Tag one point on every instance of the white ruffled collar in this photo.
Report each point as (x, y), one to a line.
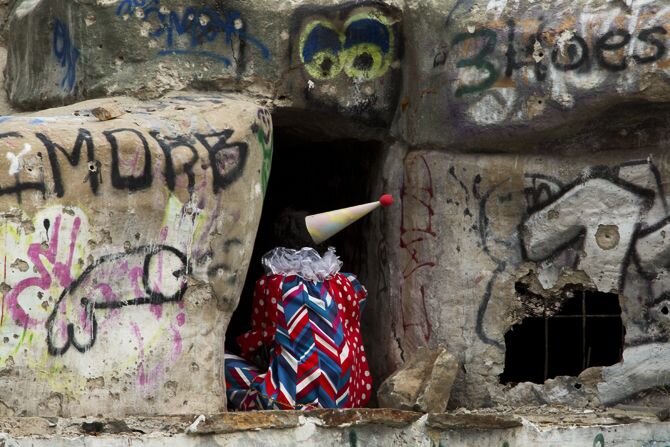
(306, 263)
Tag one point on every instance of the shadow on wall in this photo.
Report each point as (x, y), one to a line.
(312, 177)
(5, 108)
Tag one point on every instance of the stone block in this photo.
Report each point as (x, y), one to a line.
(423, 383)
(586, 210)
(62, 51)
(348, 58)
(331, 57)
(125, 245)
(482, 72)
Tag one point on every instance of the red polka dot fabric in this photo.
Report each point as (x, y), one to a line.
(311, 330)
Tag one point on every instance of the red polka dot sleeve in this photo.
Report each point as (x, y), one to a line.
(263, 316)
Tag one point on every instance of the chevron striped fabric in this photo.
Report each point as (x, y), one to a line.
(310, 331)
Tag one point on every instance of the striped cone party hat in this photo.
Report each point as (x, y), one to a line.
(324, 225)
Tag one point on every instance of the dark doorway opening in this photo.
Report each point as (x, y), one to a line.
(311, 176)
(587, 331)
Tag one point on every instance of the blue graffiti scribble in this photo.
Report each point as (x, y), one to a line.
(200, 24)
(129, 6)
(66, 54)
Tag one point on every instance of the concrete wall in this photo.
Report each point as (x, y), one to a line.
(125, 248)
(526, 142)
(528, 154)
(350, 428)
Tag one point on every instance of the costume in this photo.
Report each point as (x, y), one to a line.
(306, 320)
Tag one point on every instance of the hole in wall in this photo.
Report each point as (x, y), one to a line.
(309, 176)
(586, 331)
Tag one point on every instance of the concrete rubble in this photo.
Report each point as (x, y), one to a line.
(422, 384)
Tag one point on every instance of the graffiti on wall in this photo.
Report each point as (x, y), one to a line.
(263, 130)
(72, 286)
(59, 291)
(608, 222)
(150, 275)
(570, 52)
(416, 237)
(193, 30)
(602, 227)
(513, 67)
(362, 49)
(65, 53)
(349, 55)
(212, 158)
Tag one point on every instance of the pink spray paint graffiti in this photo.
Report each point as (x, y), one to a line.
(148, 376)
(151, 274)
(156, 261)
(60, 270)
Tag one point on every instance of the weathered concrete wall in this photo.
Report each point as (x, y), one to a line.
(526, 153)
(5, 9)
(360, 428)
(341, 58)
(487, 70)
(525, 140)
(587, 209)
(5, 108)
(125, 247)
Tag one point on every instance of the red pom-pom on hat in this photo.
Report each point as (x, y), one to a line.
(386, 200)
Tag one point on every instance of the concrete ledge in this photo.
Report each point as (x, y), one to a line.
(381, 421)
(446, 421)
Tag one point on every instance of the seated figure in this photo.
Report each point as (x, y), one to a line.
(304, 349)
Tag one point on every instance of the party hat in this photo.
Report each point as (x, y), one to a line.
(324, 225)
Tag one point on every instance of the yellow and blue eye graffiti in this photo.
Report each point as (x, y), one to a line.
(363, 47)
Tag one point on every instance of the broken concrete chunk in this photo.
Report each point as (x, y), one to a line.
(477, 421)
(422, 384)
(107, 112)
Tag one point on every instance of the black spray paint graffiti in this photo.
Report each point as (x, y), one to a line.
(571, 53)
(66, 53)
(20, 186)
(223, 154)
(73, 321)
(73, 157)
(608, 222)
(226, 160)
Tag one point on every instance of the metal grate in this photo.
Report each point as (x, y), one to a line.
(587, 331)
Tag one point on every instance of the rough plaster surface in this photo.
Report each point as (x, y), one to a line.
(5, 108)
(481, 69)
(353, 429)
(125, 247)
(571, 92)
(301, 50)
(471, 226)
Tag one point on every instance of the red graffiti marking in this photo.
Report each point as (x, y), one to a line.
(412, 233)
(428, 331)
(416, 237)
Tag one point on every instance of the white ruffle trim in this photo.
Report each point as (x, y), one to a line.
(306, 263)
